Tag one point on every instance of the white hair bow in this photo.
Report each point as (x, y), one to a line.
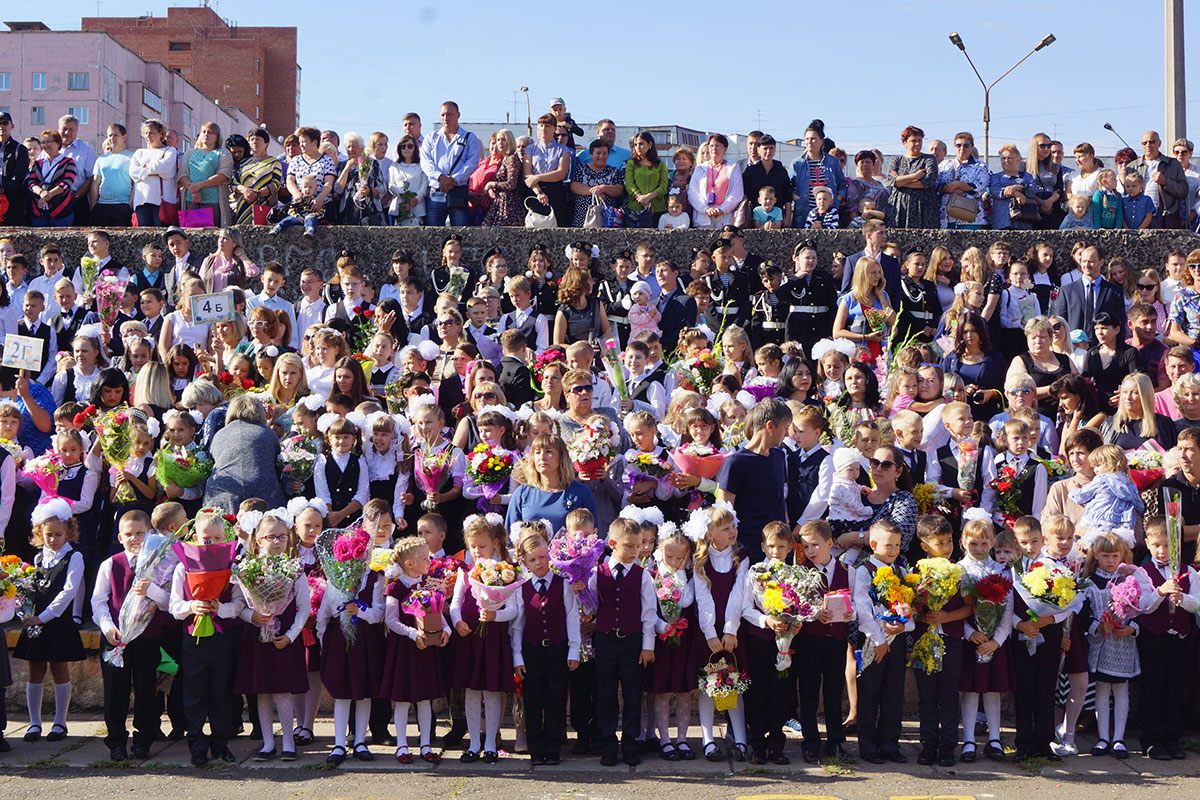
(428, 350)
(696, 526)
(51, 508)
(152, 427)
(298, 504)
(976, 513)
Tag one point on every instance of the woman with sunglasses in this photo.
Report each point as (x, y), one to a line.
(407, 184)
(1184, 316)
(1149, 291)
(1021, 392)
(483, 393)
(891, 499)
(1042, 363)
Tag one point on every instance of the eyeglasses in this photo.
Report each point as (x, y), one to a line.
(877, 464)
(1020, 390)
(582, 388)
(1147, 287)
(961, 144)
(279, 537)
(485, 395)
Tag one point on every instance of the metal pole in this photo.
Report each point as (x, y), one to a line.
(1174, 101)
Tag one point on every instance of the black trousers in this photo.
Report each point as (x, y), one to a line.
(1035, 677)
(937, 699)
(207, 672)
(583, 701)
(139, 673)
(617, 667)
(172, 643)
(112, 215)
(881, 701)
(820, 665)
(766, 700)
(545, 697)
(1165, 669)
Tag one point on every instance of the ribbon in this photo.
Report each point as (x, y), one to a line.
(674, 631)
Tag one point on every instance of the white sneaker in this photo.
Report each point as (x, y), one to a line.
(1064, 748)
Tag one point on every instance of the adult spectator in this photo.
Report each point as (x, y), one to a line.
(112, 186)
(1182, 150)
(1080, 301)
(36, 404)
(606, 131)
(551, 489)
(361, 196)
(937, 149)
(1108, 361)
(815, 167)
(209, 167)
(257, 179)
(1179, 362)
(766, 171)
(646, 182)
(753, 479)
(14, 166)
(291, 149)
(1050, 183)
(1144, 323)
(580, 316)
(874, 238)
(485, 172)
(1057, 151)
(1184, 316)
(407, 184)
(244, 453)
(1041, 363)
(962, 176)
(1084, 181)
(891, 499)
(449, 156)
(865, 186)
(681, 177)
(1186, 393)
(558, 109)
(913, 178)
(715, 188)
(1021, 391)
(1187, 483)
(678, 309)
(411, 125)
(1078, 446)
(753, 140)
(85, 166)
(1077, 406)
(311, 161)
(596, 181)
(547, 164)
(1121, 161)
(1011, 187)
(1166, 183)
(49, 182)
(228, 266)
(153, 170)
(979, 366)
(504, 189)
(1135, 422)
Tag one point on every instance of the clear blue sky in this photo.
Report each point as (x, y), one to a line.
(867, 68)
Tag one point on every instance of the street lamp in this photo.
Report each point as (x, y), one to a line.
(957, 41)
(528, 113)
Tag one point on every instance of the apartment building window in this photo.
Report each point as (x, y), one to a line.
(39, 81)
(5, 81)
(78, 81)
(180, 47)
(37, 115)
(80, 113)
(257, 91)
(187, 120)
(152, 101)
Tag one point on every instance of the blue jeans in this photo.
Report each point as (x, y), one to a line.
(309, 222)
(46, 221)
(436, 212)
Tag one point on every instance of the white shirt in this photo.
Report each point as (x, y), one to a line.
(72, 591)
(363, 492)
(181, 607)
(320, 380)
(45, 285)
(8, 492)
(722, 561)
(517, 317)
(103, 590)
(1153, 190)
(83, 384)
(686, 598)
(310, 313)
(330, 602)
(656, 395)
(87, 494)
(300, 598)
(649, 600)
(991, 468)
(819, 501)
(516, 631)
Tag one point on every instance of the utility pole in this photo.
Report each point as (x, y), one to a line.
(1174, 101)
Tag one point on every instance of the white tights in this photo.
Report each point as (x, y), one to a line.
(683, 715)
(970, 708)
(306, 703)
(1120, 710)
(341, 720)
(424, 723)
(737, 718)
(488, 704)
(286, 708)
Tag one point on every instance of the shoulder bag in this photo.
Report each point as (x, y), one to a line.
(960, 207)
(536, 219)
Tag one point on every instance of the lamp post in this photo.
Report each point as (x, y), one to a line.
(528, 113)
(957, 41)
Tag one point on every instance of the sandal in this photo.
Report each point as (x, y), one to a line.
(336, 756)
(57, 733)
(968, 753)
(428, 756)
(1102, 748)
(302, 736)
(712, 752)
(34, 733)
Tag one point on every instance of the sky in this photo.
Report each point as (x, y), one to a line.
(867, 68)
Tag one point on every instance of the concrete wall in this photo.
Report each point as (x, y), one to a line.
(372, 247)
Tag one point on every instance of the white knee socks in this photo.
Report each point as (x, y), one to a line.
(341, 720)
(400, 718)
(492, 703)
(267, 721)
(62, 699)
(285, 707)
(1120, 693)
(969, 702)
(737, 720)
(683, 716)
(362, 716)
(33, 700)
(991, 708)
(425, 721)
(1103, 693)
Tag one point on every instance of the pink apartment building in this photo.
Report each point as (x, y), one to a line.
(45, 74)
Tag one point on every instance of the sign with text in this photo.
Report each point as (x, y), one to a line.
(22, 352)
(210, 308)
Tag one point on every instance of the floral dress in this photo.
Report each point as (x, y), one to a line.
(583, 173)
(506, 209)
(1185, 311)
(367, 210)
(859, 189)
(914, 207)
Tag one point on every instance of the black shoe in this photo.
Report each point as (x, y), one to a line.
(874, 758)
(995, 751)
(631, 756)
(1176, 751)
(896, 757)
(947, 759)
(140, 752)
(337, 756)
(738, 753)
(386, 740)
(609, 759)
(264, 755)
(968, 753)
(685, 751)
(811, 753)
(199, 759)
(1024, 755)
(1050, 755)
(4, 745)
(581, 747)
(712, 752)
(552, 760)
(469, 756)
(362, 753)
(758, 757)
(777, 757)
(118, 753)
(489, 757)
(926, 758)
(57, 733)
(226, 755)
(1119, 752)
(33, 734)
(454, 736)
(668, 752)
(1101, 748)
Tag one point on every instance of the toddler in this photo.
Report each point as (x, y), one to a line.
(1107, 205)
(847, 511)
(643, 316)
(303, 209)
(823, 215)
(1111, 500)
(675, 219)
(767, 215)
(1079, 216)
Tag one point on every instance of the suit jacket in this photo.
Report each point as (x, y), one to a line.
(514, 380)
(14, 166)
(678, 312)
(1070, 306)
(1174, 193)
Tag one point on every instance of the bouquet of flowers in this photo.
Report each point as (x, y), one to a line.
(403, 196)
(723, 683)
(186, 466)
(458, 281)
(939, 581)
(1056, 469)
(1047, 588)
(44, 471)
(1124, 597)
(877, 320)
(573, 556)
(430, 466)
(991, 603)
(393, 393)
(761, 388)
(115, 429)
(298, 456)
(90, 267)
(16, 586)
(789, 593)
(109, 292)
(592, 449)
(492, 583)
(427, 606)
(668, 588)
(230, 386)
(362, 329)
(443, 572)
(702, 460)
(1145, 467)
(968, 463)
(155, 562)
(381, 559)
(646, 466)
(15, 450)
(364, 168)
(929, 499)
(698, 372)
(268, 581)
(896, 597)
(612, 365)
(1008, 485)
(548, 356)
(208, 568)
(343, 553)
(316, 594)
(489, 467)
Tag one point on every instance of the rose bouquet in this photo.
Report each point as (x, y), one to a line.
(789, 593)
(430, 466)
(115, 429)
(1173, 505)
(362, 329)
(939, 581)
(109, 292)
(492, 583)
(968, 463)
(343, 553)
(155, 562)
(612, 365)
(701, 460)
(668, 588)
(592, 449)
(186, 466)
(574, 556)
(298, 457)
(698, 372)
(1008, 487)
(1047, 588)
(229, 385)
(44, 471)
(723, 683)
(489, 467)
(991, 604)
(268, 581)
(457, 281)
(1145, 467)
(427, 606)
(316, 594)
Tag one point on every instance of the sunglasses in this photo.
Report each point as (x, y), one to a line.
(1147, 287)
(1020, 390)
(408, 147)
(485, 395)
(1193, 265)
(877, 464)
(442, 323)
(1043, 145)
(583, 388)
(1058, 326)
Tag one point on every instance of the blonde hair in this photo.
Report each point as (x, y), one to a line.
(860, 286)
(682, 401)
(478, 525)
(1057, 525)
(529, 542)
(1109, 456)
(975, 266)
(152, 387)
(1149, 426)
(978, 528)
(1106, 543)
(406, 548)
(288, 359)
(38, 538)
(716, 516)
(566, 470)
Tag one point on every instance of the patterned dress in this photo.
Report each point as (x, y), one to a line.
(264, 176)
(506, 209)
(583, 173)
(1185, 310)
(913, 207)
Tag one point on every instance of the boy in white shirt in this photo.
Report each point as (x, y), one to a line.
(272, 281)
(523, 314)
(50, 257)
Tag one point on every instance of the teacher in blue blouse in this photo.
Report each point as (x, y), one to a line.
(551, 490)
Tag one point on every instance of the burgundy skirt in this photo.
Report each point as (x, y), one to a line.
(483, 663)
(994, 676)
(674, 667)
(262, 668)
(351, 674)
(411, 674)
(1077, 656)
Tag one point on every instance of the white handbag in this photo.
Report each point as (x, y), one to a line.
(536, 219)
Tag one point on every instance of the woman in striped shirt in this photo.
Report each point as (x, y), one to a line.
(49, 183)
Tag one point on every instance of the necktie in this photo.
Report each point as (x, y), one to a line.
(542, 588)
(620, 571)
(1089, 303)
(133, 564)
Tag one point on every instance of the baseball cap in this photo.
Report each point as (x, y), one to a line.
(557, 101)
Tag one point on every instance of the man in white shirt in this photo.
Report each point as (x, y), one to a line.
(448, 158)
(85, 166)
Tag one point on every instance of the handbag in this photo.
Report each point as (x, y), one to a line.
(1026, 213)
(960, 207)
(196, 218)
(742, 214)
(536, 219)
(595, 213)
(262, 214)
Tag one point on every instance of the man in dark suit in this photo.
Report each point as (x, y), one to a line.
(1079, 302)
(14, 166)
(514, 375)
(875, 236)
(677, 308)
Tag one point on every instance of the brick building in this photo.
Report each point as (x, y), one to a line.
(253, 69)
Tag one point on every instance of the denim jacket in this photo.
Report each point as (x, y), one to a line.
(803, 201)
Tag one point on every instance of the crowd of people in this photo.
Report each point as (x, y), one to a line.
(55, 179)
(987, 416)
